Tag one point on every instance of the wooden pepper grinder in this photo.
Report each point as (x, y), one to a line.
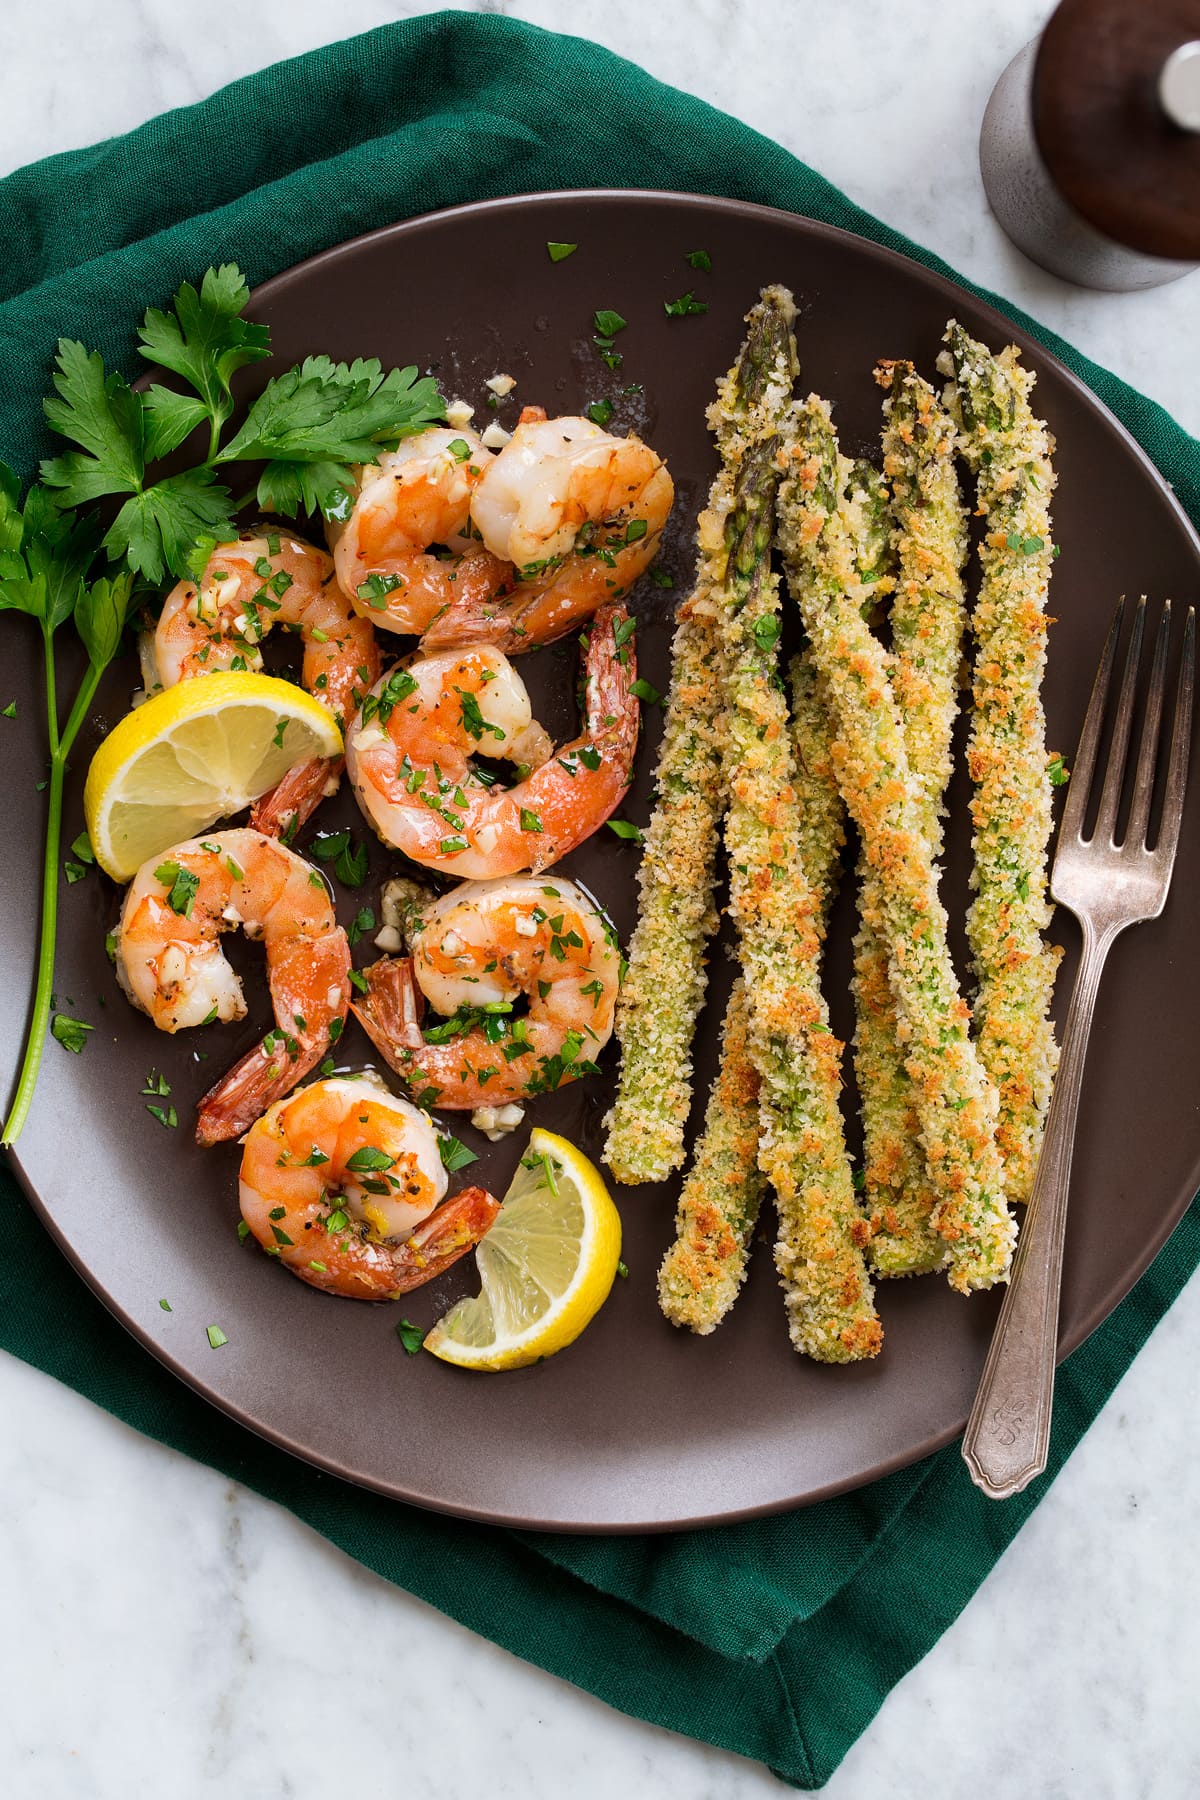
(1090, 148)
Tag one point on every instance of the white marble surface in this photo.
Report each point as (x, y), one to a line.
(167, 1632)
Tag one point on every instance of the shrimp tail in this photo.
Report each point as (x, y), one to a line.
(391, 1010)
(281, 812)
(455, 1227)
(251, 1086)
(480, 612)
(611, 716)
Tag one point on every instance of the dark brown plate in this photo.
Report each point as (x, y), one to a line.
(640, 1426)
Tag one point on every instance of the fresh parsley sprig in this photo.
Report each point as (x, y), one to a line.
(105, 520)
(309, 426)
(44, 554)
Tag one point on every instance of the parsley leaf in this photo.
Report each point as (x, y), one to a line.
(99, 412)
(312, 423)
(70, 1033)
(455, 1154)
(205, 340)
(156, 528)
(560, 252)
(608, 323)
(699, 259)
(623, 829)
(685, 306)
(410, 1335)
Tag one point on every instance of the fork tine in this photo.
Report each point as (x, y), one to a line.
(1147, 756)
(1114, 775)
(1089, 737)
(1181, 738)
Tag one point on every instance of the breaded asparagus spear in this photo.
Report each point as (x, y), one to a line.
(666, 979)
(706, 1265)
(802, 1149)
(955, 1102)
(1009, 450)
(928, 618)
(665, 983)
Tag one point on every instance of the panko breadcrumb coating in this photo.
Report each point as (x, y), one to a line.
(802, 1149)
(666, 980)
(1009, 449)
(928, 618)
(955, 1102)
(706, 1265)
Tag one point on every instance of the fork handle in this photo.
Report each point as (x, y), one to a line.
(1007, 1440)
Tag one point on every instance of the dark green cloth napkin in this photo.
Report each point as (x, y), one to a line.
(778, 1638)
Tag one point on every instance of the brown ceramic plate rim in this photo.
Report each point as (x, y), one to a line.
(950, 291)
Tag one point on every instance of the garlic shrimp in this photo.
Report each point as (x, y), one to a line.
(407, 552)
(476, 953)
(410, 757)
(219, 622)
(171, 964)
(578, 512)
(343, 1182)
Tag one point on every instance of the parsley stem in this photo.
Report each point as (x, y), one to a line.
(51, 688)
(35, 1041)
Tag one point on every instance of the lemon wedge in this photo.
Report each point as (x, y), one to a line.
(546, 1266)
(194, 754)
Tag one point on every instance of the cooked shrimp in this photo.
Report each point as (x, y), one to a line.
(342, 1182)
(477, 951)
(410, 751)
(414, 498)
(580, 514)
(172, 966)
(219, 623)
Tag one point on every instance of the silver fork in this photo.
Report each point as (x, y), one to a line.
(1107, 886)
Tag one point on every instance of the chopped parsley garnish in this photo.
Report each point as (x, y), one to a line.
(560, 252)
(660, 578)
(280, 731)
(398, 686)
(624, 632)
(1026, 545)
(645, 690)
(156, 1084)
(685, 306)
(216, 1336)
(459, 449)
(766, 633)
(599, 411)
(542, 1160)
(455, 1155)
(166, 1305)
(182, 885)
(589, 757)
(607, 323)
(623, 829)
(10, 711)
(410, 1335)
(168, 1118)
(359, 981)
(70, 1033)
(1058, 772)
(530, 820)
(376, 588)
(369, 1159)
(82, 848)
(623, 1271)
(363, 921)
(699, 259)
(348, 858)
(473, 720)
